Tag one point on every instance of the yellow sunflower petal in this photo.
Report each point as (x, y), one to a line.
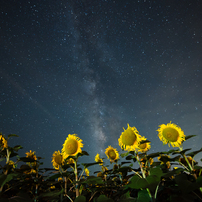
(87, 171)
(3, 142)
(72, 146)
(98, 159)
(57, 159)
(112, 153)
(171, 134)
(144, 146)
(129, 139)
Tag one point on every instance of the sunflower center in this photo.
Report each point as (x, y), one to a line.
(128, 137)
(171, 134)
(143, 146)
(71, 146)
(112, 154)
(58, 159)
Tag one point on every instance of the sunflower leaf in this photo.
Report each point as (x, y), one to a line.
(143, 196)
(80, 199)
(144, 141)
(189, 136)
(181, 152)
(170, 151)
(103, 198)
(124, 154)
(51, 194)
(17, 147)
(12, 135)
(153, 155)
(86, 165)
(93, 180)
(192, 154)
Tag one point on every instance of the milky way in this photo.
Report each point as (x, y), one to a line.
(91, 67)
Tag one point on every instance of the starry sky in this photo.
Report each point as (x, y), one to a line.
(90, 67)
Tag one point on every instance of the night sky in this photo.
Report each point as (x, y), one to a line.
(91, 66)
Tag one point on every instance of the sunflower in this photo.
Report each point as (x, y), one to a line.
(3, 142)
(87, 171)
(99, 174)
(98, 159)
(171, 134)
(112, 153)
(31, 155)
(70, 161)
(72, 146)
(144, 146)
(164, 159)
(190, 159)
(57, 159)
(129, 139)
(146, 162)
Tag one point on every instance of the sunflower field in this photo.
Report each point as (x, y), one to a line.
(169, 176)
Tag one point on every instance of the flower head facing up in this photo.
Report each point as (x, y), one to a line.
(98, 159)
(57, 159)
(112, 153)
(129, 139)
(3, 142)
(171, 134)
(144, 146)
(72, 146)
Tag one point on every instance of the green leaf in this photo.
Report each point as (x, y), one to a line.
(173, 172)
(143, 196)
(189, 136)
(80, 154)
(124, 169)
(94, 180)
(103, 198)
(192, 154)
(80, 199)
(86, 165)
(51, 194)
(126, 198)
(181, 152)
(55, 176)
(6, 178)
(130, 199)
(144, 141)
(170, 151)
(124, 154)
(157, 172)
(124, 162)
(17, 147)
(137, 183)
(153, 155)
(199, 180)
(12, 135)
(129, 157)
(185, 185)
(26, 159)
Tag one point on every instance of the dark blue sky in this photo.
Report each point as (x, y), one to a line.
(91, 67)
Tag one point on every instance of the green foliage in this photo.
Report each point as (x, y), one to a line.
(148, 182)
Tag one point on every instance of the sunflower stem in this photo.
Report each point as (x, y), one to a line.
(190, 167)
(143, 174)
(76, 178)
